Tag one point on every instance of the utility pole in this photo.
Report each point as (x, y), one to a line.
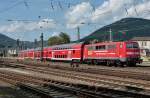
(78, 33)
(17, 48)
(35, 45)
(110, 35)
(41, 46)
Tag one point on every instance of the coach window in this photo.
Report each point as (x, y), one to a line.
(97, 47)
(90, 47)
(73, 51)
(102, 47)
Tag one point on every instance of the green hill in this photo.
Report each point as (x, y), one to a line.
(6, 41)
(124, 29)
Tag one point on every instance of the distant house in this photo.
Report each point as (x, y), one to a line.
(144, 44)
(11, 52)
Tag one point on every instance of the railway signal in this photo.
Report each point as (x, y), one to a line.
(78, 33)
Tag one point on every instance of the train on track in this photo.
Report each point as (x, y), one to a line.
(110, 53)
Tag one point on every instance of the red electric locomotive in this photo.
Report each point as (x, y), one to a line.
(113, 53)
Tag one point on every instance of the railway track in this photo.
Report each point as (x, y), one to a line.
(76, 89)
(119, 72)
(123, 87)
(110, 83)
(92, 77)
(41, 87)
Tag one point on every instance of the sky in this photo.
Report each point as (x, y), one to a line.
(27, 19)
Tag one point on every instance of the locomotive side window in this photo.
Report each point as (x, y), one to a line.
(111, 46)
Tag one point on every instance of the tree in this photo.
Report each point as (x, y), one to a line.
(55, 40)
(62, 38)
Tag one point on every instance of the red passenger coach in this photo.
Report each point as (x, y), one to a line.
(67, 52)
(112, 53)
(47, 53)
(26, 53)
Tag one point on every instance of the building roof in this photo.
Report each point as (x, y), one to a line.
(141, 39)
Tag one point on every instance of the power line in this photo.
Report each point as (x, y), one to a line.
(13, 6)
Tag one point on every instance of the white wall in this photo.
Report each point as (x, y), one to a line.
(144, 44)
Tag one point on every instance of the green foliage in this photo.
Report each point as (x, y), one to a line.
(62, 38)
(55, 40)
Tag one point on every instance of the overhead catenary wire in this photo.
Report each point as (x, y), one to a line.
(59, 4)
(26, 4)
(134, 4)
(89, 23)
(10, 7)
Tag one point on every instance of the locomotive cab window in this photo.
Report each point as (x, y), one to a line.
(132, 45)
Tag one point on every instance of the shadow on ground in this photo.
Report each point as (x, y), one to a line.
(12, 92)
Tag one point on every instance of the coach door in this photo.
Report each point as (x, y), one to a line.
(52, 54)
(69, 54)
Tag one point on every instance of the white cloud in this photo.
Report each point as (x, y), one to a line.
(55, 33)
(75, 15)
(108, 12)
(20, 26)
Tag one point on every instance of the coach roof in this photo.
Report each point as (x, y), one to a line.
(69, 45)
